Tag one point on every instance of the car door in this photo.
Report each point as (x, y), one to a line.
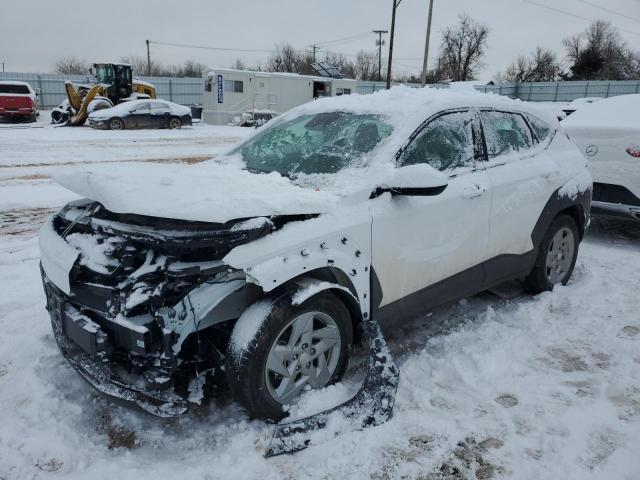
(139, 115)
(419, 241)
(524, 177)
(160, 113)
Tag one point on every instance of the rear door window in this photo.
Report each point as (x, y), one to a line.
(505, 132)
(15, 89)
(142, 107)
(445, 143)
(541, 129)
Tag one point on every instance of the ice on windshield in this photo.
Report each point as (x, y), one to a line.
(315, 144)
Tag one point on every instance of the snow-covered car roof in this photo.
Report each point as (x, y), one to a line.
(402, 106)
(405, 108)
(622, 111)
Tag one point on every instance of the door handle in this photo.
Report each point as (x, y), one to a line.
(474, 191)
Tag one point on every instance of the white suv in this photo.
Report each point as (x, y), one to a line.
(260, 269)
(608, 133)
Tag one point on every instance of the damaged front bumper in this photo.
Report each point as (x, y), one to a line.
(82, 343)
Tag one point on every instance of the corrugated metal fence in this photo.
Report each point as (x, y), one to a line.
(540, 91)
(563, 91)
(185, 91)
(188, 91)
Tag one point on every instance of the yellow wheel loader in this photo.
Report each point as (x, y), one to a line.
(114, 84)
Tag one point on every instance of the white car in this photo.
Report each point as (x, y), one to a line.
(608, 133)
(265, 267)
(145, 113)
(574, 105)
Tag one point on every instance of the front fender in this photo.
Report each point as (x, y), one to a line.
(282, 256)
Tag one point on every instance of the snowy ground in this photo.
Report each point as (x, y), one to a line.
(530, 388)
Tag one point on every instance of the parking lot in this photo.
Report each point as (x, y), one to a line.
(499, 384)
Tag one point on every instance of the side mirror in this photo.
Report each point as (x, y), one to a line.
(414, 180)
(133, 110)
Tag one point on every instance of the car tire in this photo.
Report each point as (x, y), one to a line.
(116, 124)
(174, 123)
(262, 343)
(557, 256)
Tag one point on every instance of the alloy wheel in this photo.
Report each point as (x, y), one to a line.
(560, 255)
(305, 352)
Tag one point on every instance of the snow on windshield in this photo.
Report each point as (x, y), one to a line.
(321, 143)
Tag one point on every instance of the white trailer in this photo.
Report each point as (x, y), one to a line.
(229, 93)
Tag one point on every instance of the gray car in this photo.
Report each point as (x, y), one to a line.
(141, 114)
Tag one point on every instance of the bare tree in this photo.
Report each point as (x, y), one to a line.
(140, 66)
(365, 66)
(285, 59)
(239, 64)
(600, 53)
(190, 68)
(462, 49)
(72, 66)
(541, 66)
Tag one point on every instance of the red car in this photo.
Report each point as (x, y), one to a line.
(18, 100)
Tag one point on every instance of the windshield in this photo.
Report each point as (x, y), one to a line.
(311, 144)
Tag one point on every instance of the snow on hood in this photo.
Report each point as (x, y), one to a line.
(622, 111)
(207, 192)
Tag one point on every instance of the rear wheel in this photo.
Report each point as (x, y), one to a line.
(296, 347)
(174, 123)
(557, 256)
(116, 124)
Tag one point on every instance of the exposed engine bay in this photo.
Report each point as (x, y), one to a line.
(137, 285)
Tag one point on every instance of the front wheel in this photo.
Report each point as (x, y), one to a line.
(277, 350)
(557, 256)
(116, 124)
(175, 123)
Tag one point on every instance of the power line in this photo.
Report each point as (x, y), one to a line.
(346, 39)
(564, 12)
(202, 47)
(624, 15)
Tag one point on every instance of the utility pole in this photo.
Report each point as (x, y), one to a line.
(148, 60)
(396, 4)
(426, 45)
(379, 44)
(315, 47)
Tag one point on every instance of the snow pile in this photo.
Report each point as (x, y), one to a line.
(95, 251)
(207, 192)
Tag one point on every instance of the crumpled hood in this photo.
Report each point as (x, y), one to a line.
(207, 192)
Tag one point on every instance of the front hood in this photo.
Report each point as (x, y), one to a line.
(207, 192)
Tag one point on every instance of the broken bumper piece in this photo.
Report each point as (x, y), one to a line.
(80, 340)
(371, 406)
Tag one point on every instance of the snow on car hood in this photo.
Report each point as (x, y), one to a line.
(207, 192)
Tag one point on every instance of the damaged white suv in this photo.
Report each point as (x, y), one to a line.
(259, 270)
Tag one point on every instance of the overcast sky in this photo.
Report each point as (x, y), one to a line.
(35, 33)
